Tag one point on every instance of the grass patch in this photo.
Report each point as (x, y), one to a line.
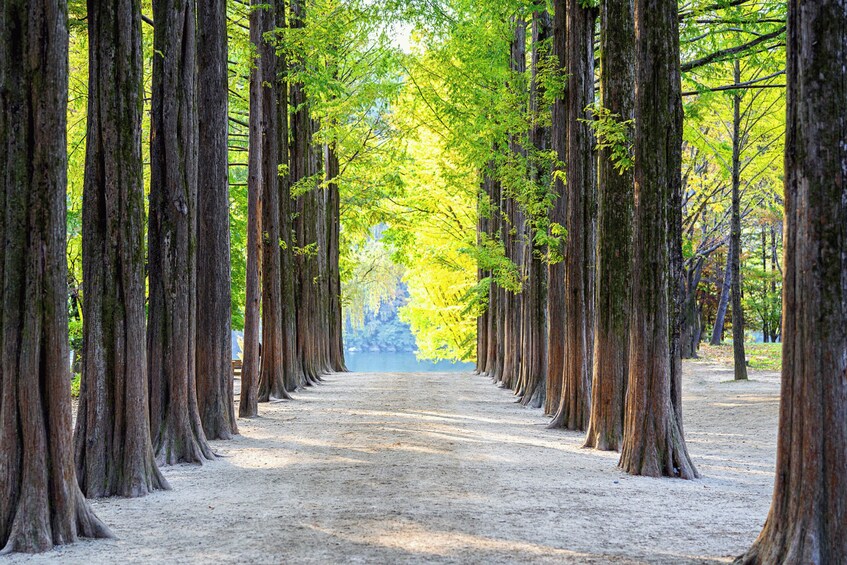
(760, 356)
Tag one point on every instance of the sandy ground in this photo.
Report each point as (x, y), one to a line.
(391, 468)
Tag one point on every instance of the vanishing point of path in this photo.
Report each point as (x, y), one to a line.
(399, 468)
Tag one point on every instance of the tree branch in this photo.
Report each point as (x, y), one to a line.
(712, 57)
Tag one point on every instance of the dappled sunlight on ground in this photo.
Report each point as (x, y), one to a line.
(407, 468)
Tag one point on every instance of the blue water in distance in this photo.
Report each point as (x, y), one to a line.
(379, 362)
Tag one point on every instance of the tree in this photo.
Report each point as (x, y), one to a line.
(114, 455)
(558, 218)
(614, 256)
(575, 404)
(332, 169)
(214, 315)
(248, 406)
(806, 523)
(293, 369)
(272, 373)
(653, 443)
(302, 165)
(531, 387)
(172, 238)
(513, 216)
(41, 504)
(726, 291)
(735, 239)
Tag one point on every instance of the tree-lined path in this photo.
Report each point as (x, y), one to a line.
(387, 468)
(571, 193)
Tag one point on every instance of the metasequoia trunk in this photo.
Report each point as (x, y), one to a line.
(322, 240)
(723, 302)
(774, 263)
(293, 371)
(482, 321)
(533, 322)
(272, 372)
(114, 454)
(333, 206)
(653, 443)
(494, 330)
(808, 516)
(178, 435)
(250, 350)
(691, 312)
(767, 331)
(614, 255)
(575, 403)
(214, 316)
(739, 357)
(306, 218)
(558, 217)
(513, 232)
(41, 504)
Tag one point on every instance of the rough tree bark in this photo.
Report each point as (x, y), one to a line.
(323, 278)
(558, 216)
(272, 371)
(614, 255)
(534, 332)
(723, 302)
(495, 306)
(808, 517)
(482, 321)
(691, 311)
(41, 504)
(336, 326)
(513, 234)
(575, 404)
(250, 351)
(292, 367)
(112, 446)
(306, 217)
(214, 315)
(178, 435)
(653, 443)
(739, 357)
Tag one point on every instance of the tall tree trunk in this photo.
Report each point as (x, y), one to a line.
(41, 504)
(335, 333)
(690, 312)
(306, 215)
(114, 454)
(740, 359)
(614, 254)
(723, 302)
(513, 236)
(214, 289)
(653, 442)
(534, 345)
(808, 517)
(272, 371)
(482, 321)
(495, 307)
(575, 405)
(558, 217)
(172, 238)
(766, 326)
(291, 359)
(251, 350)
(774, 264)
(322, 238)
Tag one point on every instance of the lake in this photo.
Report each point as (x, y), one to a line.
(375, 362)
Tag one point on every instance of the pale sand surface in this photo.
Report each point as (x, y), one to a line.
(409, 468)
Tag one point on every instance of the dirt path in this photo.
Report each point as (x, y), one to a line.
(388, 468)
